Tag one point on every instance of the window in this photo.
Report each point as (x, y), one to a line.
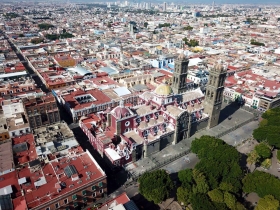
(94, 194)
(100, 184)
(75, 204)
(93, 188)
(101, 191)
(74, 197)
(57, 205)
(65, 201)
(85, 199)
(127, 123)
(48, 208)
(84, 192)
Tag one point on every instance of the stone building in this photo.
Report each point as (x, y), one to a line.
(167, 115)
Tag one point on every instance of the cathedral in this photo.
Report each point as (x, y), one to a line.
(167, 115)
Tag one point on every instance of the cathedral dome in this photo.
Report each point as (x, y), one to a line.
(121, 111)
(163, 89)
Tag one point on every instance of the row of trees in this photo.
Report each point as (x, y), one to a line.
(164, 25)
(11, 15)
(45, 26)
(59, 36)
(254, 42)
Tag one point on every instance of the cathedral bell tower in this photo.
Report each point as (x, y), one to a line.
(214, 93)
(179, 80)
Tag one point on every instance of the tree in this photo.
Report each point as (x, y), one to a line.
(37, 40)
(278, 155)
(268, 202)
(188, 28)
(269, 129)
(183, 195)
(45, 26)
(201, 202)
(261, 183)
(186, 176)
(155, 186)
(263, 122)
(216, 195)
(229, 199)
(253, 157)
(263, 150)
(146, 24)
(191, 42)
(201, 183)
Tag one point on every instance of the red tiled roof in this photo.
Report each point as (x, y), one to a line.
(100, 97)
(35, 196)
(28, 155)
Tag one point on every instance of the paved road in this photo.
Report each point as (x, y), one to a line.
(236, 137)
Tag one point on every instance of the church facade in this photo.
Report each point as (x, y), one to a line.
(167, 115)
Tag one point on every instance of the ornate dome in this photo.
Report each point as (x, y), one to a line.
(163, 89)
(121, 112)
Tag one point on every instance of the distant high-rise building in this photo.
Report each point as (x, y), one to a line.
(164, 6)
(148, 5)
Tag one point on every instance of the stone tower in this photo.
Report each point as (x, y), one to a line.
(214, 93)
(179, 80)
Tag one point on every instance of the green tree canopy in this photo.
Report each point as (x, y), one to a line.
(191, 42)
(230, 200)
(201, 182)
(218, 161)
(278, 155)
(155, 186)
(37, 40)
(186, 176)
(164, 25)
(201, 202)
(263, 150)
(188, 28)
(45, 26)
(253, 157)
(216, 195)
(268, 202)
(269, 131)
(183, 195)
(261, 183)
